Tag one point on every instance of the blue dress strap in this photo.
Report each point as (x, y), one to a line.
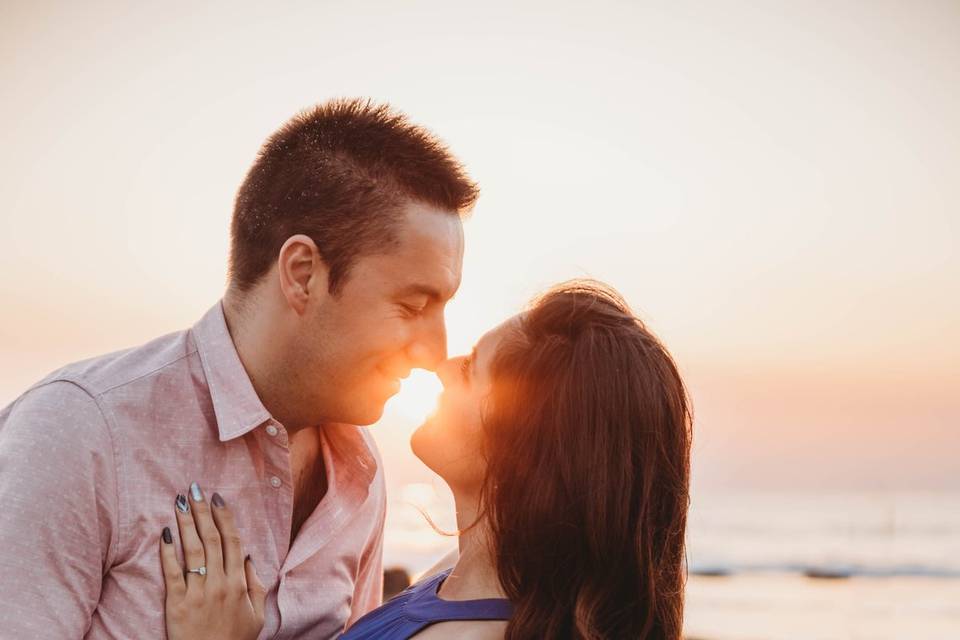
(425, 604)
(419, 607)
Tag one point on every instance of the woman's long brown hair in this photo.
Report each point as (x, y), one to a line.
(588, 431)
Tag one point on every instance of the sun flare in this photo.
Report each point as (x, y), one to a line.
(417, 397)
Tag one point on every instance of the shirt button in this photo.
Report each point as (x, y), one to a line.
(272, 430)
(275, 482)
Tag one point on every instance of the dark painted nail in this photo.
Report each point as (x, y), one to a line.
(218, 500)
(195, 492)
(182, 505)
(247, 558)
(167, 537)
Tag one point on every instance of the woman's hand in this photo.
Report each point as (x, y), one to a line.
(225, 602)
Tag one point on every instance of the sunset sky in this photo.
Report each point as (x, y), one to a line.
(774, 189)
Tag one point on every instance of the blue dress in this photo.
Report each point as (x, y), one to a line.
(418, 607)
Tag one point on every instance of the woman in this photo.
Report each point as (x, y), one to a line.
(565, 438)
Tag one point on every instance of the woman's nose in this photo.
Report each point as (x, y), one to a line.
(446, 370)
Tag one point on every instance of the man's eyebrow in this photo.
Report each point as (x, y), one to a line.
(423, 290)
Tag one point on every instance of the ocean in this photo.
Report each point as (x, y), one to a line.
(871, 565)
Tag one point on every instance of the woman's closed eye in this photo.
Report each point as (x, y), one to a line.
(465, 368)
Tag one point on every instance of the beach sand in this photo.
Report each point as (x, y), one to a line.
(782, 607)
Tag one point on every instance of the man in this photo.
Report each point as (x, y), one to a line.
(346, 245)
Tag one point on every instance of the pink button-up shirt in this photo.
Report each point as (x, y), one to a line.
(92, 457)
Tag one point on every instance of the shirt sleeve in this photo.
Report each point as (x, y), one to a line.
(368, 589)
(58, 499)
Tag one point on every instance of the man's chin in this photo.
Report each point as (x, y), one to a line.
(367, 418)
(364, 414)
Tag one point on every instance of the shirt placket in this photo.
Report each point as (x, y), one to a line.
(277, 489)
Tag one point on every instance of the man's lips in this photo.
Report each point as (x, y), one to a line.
(401, 374)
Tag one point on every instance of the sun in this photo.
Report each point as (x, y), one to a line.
(418, 396)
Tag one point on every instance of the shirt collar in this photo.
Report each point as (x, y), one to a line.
(235, 402)
(356, 451)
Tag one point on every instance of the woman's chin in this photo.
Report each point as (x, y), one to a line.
(422, 447)
(416, 442)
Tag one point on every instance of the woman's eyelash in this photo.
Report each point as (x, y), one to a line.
(465, 368)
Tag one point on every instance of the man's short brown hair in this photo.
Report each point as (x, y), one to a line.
(340, 173)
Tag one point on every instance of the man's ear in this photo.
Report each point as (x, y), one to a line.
(303, 273)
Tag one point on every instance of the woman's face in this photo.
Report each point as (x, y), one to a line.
(450, 442)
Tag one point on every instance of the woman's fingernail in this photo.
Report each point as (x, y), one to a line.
(218, 500)
(195, 492)
(248, 559)
(167, 536)
(182, 505)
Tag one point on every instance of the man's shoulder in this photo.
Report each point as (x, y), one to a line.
(104, 373)
(78, 389)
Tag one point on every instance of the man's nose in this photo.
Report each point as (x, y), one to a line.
(429, 348)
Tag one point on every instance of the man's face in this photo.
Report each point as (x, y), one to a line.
(387, 319)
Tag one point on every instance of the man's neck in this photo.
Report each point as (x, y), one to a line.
(475, 574)
(247, 330)
(309, 476)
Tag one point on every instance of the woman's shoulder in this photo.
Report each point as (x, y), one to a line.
(419, 612)
(464, 630)
(392, 619)
(426, 583)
